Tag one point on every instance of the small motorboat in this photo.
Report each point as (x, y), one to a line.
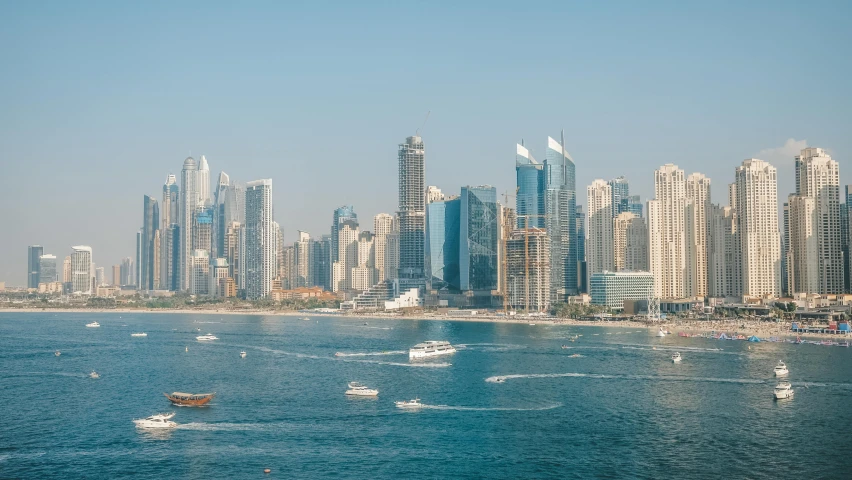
(500, 380)
(190, 399)
(781, 369)
(160, 420)
(243, 354)
(360, 390)
(306, 319)
(564, 347)
(413, 403)
(532, 324)
(661, 333)
(338, 354)
(676, 357)
(206, 338)
(94, 374)
(57, 353)
(783, 390)
(140, 334)
(93, 325)
(576, 355)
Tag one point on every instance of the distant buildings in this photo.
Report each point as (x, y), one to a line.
(81, 270)
(34, 253)
(47, 269)
(148, 262)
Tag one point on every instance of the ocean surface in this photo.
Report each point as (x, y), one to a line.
(621, 409)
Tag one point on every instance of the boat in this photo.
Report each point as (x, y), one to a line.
(57, 353)
(676, 357)
(564, 347)
(94, 374)
(783, 390)
(431, 348)
(500, 380)
(661, 333)
(204, 338)
(575, 355)
(93, 325)
(532, 324)
(338, 354)
(781, 369)
(141, 334)
(360, 390)
(306, 319)
(160, 420)
(190, 399)
(243, 354)
(413, 403)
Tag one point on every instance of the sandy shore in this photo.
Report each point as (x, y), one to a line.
(729, 326)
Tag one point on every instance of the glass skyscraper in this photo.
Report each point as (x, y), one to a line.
(478, 237)
(620, 195)
(412, 210)
(34, 252)
(559, 204)
(150, 224)
(530, 193)
(442, 244)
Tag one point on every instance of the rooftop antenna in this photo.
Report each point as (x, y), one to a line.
(417, 132)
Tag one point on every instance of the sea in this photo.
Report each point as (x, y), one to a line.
(510, 403)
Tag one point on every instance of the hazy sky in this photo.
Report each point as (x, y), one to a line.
(99, 102)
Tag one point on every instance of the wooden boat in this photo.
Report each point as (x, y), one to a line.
(190, 399)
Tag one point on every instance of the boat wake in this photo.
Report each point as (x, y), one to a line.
(218, 427)
(489, 347)
(660, 378)
(400, 364)
(490, 409)
(369, 354)
(377, 362)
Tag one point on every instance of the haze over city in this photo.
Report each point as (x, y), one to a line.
(101, 102)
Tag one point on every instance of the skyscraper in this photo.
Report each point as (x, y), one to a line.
(580, 222)
(620, 195)
(725, 263)
(34, 252)
(126, 271)
(321, 262)
(228, 207)
(599, 247)
(150, 226)
(818, 177)
(478, 237)
(199, 279)
(66, 271)
(47, 269)
(340, 215)
(382, 227)
(81, 270)
(666, 224)
(347, 255)
(433, 194)
(757, 217)
(169, 220)
(204, 198)
(530, 189)
(697, 225)
(442, 244)
(412, 210)
(804, 262)
(137, 274)
(116, 275)
(188, 202)
(528, 270)
(848, 276)
(630, 243)
(302, 254)
(260, 239)
(560, 206)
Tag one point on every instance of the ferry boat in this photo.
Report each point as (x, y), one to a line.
(413, 403)
(160, 420)
(360, 390)
(208, 337)
(190, 399)
(783, 390)
(141, 334)
(676, 357)
(94, 374)
(93, 325)
(243, 354)
(781, 369)
(431, 348)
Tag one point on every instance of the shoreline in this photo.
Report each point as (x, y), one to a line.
(729, 326)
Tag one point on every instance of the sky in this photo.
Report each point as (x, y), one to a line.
(100, 101)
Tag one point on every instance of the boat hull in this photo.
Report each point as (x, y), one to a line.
(783, 395)
(436, 353)
(195, 401)
(362, 393)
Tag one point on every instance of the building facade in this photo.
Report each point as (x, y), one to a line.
(188, 202)
(260, 245)
(611, 289)
(560, 203)
(47, 269)
(630, 243)
(412, 210)
(599, 245)
(697, 225)
(34, 252)
(666, 232)
(81, 270)
(528, 270)
(478, 237)
(382, 227)
(443, 224)
(530, 189)
(757, 216)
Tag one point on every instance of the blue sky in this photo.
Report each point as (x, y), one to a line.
(100, 101)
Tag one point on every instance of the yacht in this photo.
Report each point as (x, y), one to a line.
(243, 354)
(781, 369)
(676, 357)
(57, 353)
(93, 325)
(431, 348)
(360, 390)
(783, 390)
(209, 336)
(141, 334)
(413, 403)
(160, 420)
(661, 333)
(94, 374)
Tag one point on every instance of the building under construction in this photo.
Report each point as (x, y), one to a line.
(528, 270)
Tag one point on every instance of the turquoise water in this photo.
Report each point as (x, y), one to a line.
(621, 409)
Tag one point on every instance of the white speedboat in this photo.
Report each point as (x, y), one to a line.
(93, 325)
(781, 369)
(208, 337)
(242, 354)
(160, 420)
(431, 348)
(413, 403)
(661, 333)
(676, 357)
(57, 353)
(783, 390)
(140, 334)
(94, 374)
(306, 319)
(359, 390)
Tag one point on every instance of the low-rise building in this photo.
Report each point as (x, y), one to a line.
(611, 289)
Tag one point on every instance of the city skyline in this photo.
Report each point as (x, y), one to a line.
(704, 112)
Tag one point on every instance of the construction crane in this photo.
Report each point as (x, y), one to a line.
(509, 227)
(417, 132)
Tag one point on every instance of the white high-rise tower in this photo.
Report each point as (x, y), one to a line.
(599, 247)
(260, 246)
(666, 224)
(81, 270)
(757, 218)
(697, 222)
(204, 197)
(188, 202)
